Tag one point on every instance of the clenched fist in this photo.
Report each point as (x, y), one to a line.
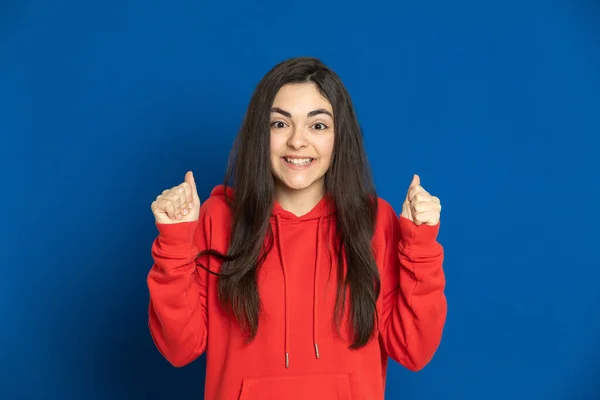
(178, 204)
(419, 206)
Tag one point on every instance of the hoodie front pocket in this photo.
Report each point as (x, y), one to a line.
(297, 387)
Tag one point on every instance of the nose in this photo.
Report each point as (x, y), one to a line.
(297, 139)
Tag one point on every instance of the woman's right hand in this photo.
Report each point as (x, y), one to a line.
(178, 204)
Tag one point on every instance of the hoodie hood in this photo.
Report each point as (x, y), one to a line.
(323, 208)
(320, 213)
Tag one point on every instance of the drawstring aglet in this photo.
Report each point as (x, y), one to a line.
(317, 350)
(287, 360)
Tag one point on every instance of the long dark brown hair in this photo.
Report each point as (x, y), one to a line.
(250, 175)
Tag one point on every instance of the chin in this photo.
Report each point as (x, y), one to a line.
(295, 185)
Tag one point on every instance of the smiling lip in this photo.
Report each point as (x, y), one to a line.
(295, 162)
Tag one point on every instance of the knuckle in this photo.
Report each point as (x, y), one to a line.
(423, 196)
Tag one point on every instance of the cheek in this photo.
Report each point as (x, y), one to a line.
(275, 144)
(326, 146)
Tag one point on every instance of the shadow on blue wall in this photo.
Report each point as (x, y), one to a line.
(114, 353)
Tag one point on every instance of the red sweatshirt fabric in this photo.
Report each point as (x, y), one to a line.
(297, 353)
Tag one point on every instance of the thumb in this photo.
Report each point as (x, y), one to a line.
(416, 181)
(189, 178)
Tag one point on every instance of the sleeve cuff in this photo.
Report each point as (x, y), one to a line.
(177, 236)
(420, 236)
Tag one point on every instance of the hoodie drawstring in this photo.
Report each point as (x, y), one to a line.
(315, 342)
(285, 294)
(286, 297)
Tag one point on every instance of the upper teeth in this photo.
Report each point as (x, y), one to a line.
(298, 161)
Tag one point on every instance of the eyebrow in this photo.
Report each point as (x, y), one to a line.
(310, 114)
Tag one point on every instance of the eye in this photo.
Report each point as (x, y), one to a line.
(319, 126)
(278, 125)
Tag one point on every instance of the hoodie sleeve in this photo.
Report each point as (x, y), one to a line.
(178, 291)
(414, 304)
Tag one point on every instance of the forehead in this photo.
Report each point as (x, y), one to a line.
(301, 96)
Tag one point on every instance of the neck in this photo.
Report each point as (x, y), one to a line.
(298, 202)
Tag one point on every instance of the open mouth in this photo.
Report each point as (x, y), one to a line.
(299, 162)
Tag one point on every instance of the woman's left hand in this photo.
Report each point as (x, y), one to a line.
(419, 206)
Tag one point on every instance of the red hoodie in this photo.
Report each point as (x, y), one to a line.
(297, 353)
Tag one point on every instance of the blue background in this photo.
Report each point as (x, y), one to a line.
(103, 104)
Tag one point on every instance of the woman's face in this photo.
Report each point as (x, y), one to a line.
(302, 138)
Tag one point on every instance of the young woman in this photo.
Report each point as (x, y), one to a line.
(294, 277)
